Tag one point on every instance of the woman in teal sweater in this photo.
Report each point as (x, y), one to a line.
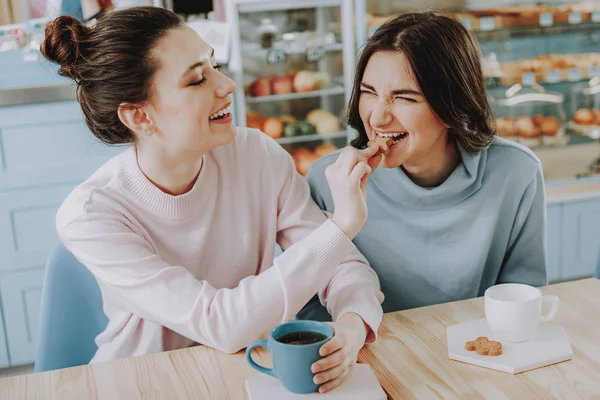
(453, 209)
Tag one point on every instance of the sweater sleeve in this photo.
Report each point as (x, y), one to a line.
(355, 286)
(129, 269)
(525, 260)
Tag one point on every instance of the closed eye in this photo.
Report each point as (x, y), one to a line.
(198, 83)
(203, 79)
(408, 99)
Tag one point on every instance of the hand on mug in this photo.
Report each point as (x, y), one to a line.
(340, 353)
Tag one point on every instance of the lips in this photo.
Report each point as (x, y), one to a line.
(222, 113)
(397, 136)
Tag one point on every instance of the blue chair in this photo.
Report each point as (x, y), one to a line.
(71, 314)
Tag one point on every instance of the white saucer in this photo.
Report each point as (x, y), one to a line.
(549, 346)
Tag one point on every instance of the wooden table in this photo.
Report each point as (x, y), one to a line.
(410, 360)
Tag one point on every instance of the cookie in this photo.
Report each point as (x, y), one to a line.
(383, 143)
(484, 347)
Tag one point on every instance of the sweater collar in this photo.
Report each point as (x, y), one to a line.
(464, 181)
(146, 194)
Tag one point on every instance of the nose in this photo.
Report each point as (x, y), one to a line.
(380, 115)
(225, 85)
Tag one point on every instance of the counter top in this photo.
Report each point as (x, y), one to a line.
(59, 91)
(573, 192)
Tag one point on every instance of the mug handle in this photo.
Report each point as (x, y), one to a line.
(553, 310)
(259, 343)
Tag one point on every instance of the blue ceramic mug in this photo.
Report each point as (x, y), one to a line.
(294, 347)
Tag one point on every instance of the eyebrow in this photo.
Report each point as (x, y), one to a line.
(199, 63)
(396, 92)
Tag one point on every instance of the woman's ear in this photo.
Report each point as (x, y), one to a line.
(136, 118)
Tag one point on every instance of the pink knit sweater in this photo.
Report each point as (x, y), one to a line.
(176, 271)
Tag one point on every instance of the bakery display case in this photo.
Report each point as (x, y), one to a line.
(531, 116)
(585, 108)
(292, 63)
(523, 43)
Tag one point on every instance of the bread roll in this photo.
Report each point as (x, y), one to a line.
(505, 127)
(538, 119)
(526, 128)
(596, 117)
(583, 116)
(549, 126)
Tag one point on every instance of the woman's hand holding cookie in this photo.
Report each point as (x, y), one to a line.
(347, 178)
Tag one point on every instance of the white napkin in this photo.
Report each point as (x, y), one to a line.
(361, 384)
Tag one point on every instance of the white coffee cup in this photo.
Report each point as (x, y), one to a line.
(513, 311)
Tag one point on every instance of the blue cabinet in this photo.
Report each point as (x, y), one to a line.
(581, 238)
(27, 225)
(47, 143)
(21, 295)
(4, 361)
(553, 242)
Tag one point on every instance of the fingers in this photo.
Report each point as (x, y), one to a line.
(334, 383)
(330, 374)
(348, 159)
(370, 151)
(331, 361)
(336, 343)
(361, 172)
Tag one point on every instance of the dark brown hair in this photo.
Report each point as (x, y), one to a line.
(445, 62)
(111, 62)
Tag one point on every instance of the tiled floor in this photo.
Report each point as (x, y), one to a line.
(20, 370)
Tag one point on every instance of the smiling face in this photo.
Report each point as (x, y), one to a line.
(190, 103)
(391, 104)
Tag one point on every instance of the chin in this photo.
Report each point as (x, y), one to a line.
(391, 161)
(225, 135)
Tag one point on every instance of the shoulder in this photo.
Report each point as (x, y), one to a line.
(516, 155)
(87, 197)
(515, 168)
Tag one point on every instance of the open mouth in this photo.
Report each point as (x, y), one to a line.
(221, 114)
(396, 136)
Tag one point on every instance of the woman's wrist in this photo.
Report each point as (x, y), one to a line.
(349, 231)
(357, 323)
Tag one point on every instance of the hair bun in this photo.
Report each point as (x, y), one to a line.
(65, 44)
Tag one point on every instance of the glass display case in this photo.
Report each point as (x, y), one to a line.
(531, 116)
(292, 63)
(585, 108)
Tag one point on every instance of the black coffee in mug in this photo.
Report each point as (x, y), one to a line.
(301, 337)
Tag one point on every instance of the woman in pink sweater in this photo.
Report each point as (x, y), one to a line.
(180, 229)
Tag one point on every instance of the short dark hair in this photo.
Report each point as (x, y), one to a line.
(444, 58)
(111, 63)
